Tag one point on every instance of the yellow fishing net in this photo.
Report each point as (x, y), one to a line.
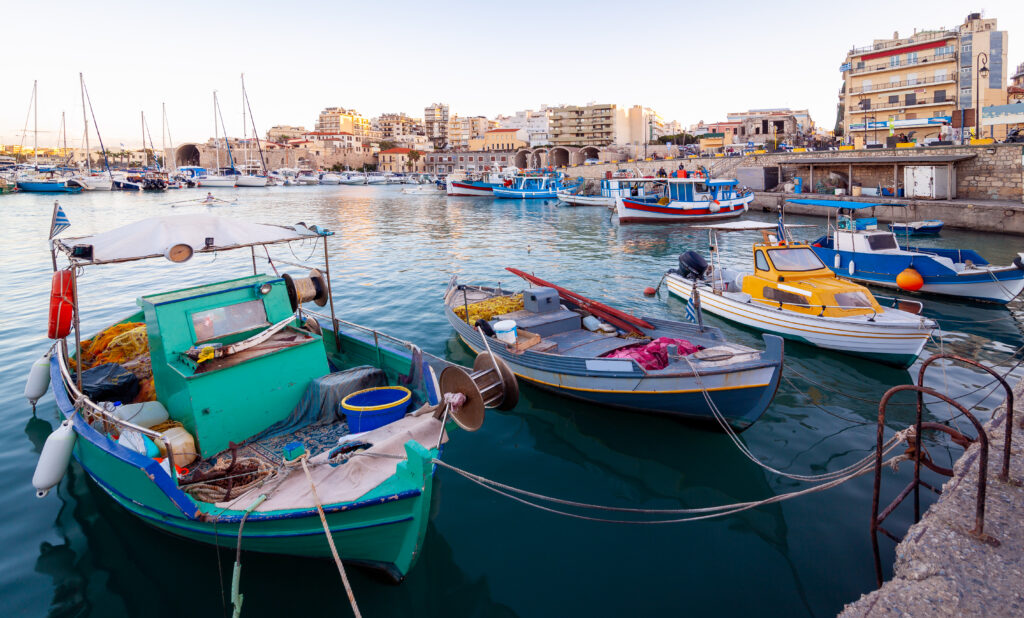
(128, 345)
(488, 309)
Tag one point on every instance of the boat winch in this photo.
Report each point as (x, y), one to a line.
(306, 289)
(491, 384)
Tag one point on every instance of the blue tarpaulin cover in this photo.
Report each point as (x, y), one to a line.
(838, 204)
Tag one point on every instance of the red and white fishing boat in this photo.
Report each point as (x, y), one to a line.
(694, 198)
(479, 184)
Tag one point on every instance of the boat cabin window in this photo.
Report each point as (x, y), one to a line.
(782, 296)
(795, 259)
(760, 263)
(852, 300)
(881, 242)
(221, 321)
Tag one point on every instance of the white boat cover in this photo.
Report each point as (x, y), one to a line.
(152, 237)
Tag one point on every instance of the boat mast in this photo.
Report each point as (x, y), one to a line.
(245, 133)
(96, 126)
(167, 126)
(255, 135)
(216, 133)
(85, 121)
(145, 157)
(163, 135)
(35, 124)
(227, 144)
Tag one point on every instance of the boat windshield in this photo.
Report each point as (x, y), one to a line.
(795, 259)
(881, 242)
(853, 300)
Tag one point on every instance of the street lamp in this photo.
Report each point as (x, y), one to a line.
(982, 64)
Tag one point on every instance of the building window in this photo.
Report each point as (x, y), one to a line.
(894, 98)
(912, 58)
(894, 61)
(939, 96)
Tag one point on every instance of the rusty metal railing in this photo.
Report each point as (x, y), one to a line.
(916, 449)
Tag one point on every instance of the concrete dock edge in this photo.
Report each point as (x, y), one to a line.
(940, 570)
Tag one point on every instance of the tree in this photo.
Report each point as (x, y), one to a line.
(414, 156)
(386, 145)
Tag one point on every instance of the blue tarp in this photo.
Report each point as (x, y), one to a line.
(838, 204)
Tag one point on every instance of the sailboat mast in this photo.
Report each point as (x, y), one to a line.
(103, 149)
(35, 123)
(85, 121)
(255, 134)
(227, 144)
(145, 157)
(216, 133)
(163, 135)
(245, 132)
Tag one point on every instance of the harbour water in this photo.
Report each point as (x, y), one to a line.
(75, 553)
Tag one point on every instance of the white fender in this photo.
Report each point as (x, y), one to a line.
(714, 207)
(850, 267)
(38, 381)
(54, 459)
(837, 261)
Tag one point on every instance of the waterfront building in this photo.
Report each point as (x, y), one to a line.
(804, 124)
(338, 139)
(396, 127)
(283, 133)
(435, 124)
(401, 160)
(922, 85)
(536, 124)
(341, 120)
(463, 128)
(583, 125)
(500, 139)
(448, 162)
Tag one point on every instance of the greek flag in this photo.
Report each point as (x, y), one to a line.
(60, 222)
(693, 312)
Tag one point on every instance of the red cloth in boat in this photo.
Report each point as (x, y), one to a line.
(654, 354)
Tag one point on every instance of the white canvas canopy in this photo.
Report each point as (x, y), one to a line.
(153, 237)
(744, 226)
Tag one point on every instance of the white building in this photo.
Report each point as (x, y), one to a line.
(536, 124)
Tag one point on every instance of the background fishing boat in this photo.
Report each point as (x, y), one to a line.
(676, 199)
(554, 351)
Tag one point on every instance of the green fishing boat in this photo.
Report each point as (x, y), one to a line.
(244, 411)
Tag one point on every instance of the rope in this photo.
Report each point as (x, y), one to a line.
(330, 539)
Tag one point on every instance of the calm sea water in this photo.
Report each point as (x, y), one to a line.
(75, 553)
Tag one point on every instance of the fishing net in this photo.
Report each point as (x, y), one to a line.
(247, 472)
(127, 345)
(488, 309)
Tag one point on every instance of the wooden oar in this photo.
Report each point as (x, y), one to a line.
(619, 318)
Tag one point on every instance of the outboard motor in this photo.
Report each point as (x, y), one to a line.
(692, 265)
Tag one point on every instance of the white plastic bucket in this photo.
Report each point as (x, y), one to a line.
(505, 330)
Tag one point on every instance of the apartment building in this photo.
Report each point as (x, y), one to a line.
(461, 129)
(395, 127)
(466, 161)
(404, 160)
(584, 125)
(341, 120)
(925, 84)
(535, 124)
(435, 124)
(506, 140)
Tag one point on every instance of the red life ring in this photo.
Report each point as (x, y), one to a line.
(62, 305)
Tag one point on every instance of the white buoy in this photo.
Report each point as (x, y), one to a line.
(38, 381)
(54, 459)
(850, 267)
(838, 262)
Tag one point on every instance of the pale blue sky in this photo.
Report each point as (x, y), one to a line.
(689, 60)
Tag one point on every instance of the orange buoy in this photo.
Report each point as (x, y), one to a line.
(649, 291)
(910, 280)
(62, 305)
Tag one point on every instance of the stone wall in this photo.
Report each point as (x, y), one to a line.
(994, 173)
(294, 157)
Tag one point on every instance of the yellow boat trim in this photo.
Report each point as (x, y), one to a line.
(601, 390)
(787, 324)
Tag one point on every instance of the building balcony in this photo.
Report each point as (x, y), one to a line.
(901, 105)
(924, 81)
(903, 64)
(921, 37)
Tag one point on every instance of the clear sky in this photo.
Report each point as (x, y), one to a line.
(690, 61)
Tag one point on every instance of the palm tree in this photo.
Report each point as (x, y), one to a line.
(414, 156)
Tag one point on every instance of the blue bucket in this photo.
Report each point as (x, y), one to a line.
(375, 407)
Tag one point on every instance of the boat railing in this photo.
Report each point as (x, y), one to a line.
(898, 302)
(80, 400)
(377, 335)
(874, 312)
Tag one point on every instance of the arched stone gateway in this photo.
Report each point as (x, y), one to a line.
(589, 152)
(539, 158)
(560, 156)
(521, 159)
(186, 154)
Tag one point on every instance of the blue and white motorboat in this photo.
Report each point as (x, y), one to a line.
(692, 198)
(535, 187)
(46, 186)
(554, 348)
(611, 188)
(931, 227)
(858, 250)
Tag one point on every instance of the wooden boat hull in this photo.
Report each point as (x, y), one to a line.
(892, 344)
(742, 394)
(635, 211)
(46, 187)
(382, 530)
(469, 188)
